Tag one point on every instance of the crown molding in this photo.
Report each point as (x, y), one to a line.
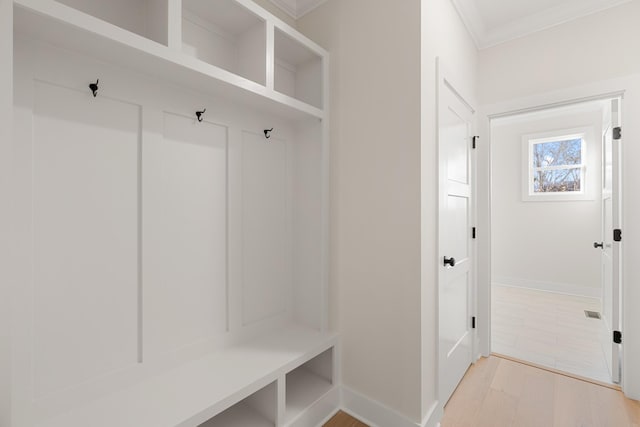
(297, 8)
(565, 12)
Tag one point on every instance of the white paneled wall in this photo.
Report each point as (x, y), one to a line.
(266, 188)
(184, 246)
(85, 240)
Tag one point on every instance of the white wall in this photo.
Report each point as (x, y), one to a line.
(6, 121)
(384, 188)
(591, 55)
(375, 193)
(545, 244)
(596, 47)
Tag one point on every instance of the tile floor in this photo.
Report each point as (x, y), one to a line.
(548, 329)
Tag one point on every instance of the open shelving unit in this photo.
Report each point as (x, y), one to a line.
(212, 308)
(96, 37)
(225, 388)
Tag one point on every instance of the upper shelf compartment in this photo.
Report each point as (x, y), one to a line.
(147, 18)
(298, 70)
(225, 53)
(225, 34)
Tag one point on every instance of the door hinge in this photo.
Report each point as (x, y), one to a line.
(617, 235)
(473, 322)
(617, 337)
(474, 141)
(617, 133)
(473, 233)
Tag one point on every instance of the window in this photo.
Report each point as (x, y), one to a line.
(555, 166)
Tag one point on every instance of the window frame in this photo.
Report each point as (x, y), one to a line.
(587, 166)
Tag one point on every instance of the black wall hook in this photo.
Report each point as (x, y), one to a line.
(94, 88)
(199, 114)
(267, 133)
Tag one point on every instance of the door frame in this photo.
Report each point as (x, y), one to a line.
(626, 88)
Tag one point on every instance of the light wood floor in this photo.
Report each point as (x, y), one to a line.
(498, 392)
(344, 420)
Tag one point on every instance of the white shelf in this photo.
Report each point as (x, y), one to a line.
(148, 18)
(304, 388)
(228, 36)
(72, 29)
(239, 415)
(193, 393)
(298, 70)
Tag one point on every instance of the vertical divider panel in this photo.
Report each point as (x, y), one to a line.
(174, 22)
(282, 400)
(271, 55)
(325, 162)
(7, 275)
(23, 307)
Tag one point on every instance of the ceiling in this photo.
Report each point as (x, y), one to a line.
(297, 8)
(492, 22)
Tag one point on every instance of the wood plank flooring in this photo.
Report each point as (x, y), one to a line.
(342, 419)
(497, 392)
(500, 392)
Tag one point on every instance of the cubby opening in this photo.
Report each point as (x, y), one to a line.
(227, 35)
(147, 18)
(258, 410)
(308, 383)
(298, 70)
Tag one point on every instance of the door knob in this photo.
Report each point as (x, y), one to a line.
(449, 261)
(598, 245)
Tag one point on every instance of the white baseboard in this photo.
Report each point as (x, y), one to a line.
(376, 414)
(559, 288)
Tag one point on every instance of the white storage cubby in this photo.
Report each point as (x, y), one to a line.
(225, 34)
(173, 271)
(308, 383)
(298, 70)
(258, 410)
(147, 18)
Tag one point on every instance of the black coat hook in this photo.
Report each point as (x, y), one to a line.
(94, 88)
(267, 133)
(199, 114)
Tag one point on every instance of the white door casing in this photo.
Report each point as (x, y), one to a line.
(611, 249)
(456, 262)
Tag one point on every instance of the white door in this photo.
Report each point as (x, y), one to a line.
(455, 245)
(609, 247)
